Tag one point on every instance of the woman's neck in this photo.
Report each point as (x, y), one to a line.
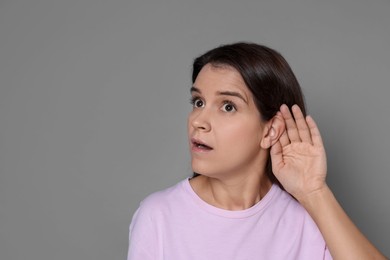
(239, 193)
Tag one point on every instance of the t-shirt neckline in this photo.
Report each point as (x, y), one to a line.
(255, 209)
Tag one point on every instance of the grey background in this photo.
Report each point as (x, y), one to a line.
(94, 99)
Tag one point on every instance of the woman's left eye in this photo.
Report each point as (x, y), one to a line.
(228, 107)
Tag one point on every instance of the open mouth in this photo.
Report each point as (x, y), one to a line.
(199, 145)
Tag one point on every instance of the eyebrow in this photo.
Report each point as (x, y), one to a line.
(223, 93)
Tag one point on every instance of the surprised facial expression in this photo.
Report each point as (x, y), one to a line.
(224, 128)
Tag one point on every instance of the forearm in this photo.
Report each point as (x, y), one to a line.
(342, 237)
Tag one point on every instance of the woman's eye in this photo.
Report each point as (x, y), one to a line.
(228, 107)
(197, 102)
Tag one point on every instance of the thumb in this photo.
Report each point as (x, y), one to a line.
(276, 157)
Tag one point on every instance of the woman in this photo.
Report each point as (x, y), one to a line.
(258, 190)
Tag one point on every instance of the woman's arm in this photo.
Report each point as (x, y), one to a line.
(342, 237)
(142, 238)
(299, 163)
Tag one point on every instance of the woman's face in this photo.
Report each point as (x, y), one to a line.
(224, 127)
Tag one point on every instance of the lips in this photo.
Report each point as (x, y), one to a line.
(200, 145)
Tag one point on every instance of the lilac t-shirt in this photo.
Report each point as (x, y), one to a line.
(176, 224)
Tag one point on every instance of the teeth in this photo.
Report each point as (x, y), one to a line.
(202, 146)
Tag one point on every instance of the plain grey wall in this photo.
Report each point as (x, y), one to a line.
(94, 98)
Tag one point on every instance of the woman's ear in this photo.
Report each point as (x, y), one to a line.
(272, 131)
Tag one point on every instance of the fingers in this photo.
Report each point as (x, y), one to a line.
(276, 156)
(296, 124)
(291, 127)
(315, 132)
(283, 139)
(302, 126)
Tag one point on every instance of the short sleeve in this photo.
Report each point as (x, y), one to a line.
(142, 237)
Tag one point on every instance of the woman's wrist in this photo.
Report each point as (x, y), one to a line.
(311, 201)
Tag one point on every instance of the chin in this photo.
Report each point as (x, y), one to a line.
(206, 171)
(199, 171)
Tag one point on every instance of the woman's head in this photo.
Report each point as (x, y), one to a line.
(264, 72)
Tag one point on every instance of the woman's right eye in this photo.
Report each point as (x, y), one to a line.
(197, 102)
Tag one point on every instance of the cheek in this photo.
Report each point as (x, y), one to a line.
(242, 132)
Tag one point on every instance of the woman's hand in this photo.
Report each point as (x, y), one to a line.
(299, 163)
(298, 157)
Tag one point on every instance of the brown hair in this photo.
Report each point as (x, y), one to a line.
(266, 74)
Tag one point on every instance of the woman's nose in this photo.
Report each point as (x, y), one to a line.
(201, 121)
